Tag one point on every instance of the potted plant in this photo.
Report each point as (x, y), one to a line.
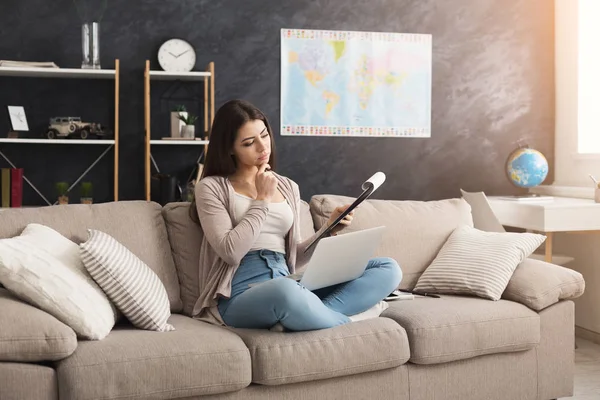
(62, 191)
(176, 122)
(188, 130)
(86, 193)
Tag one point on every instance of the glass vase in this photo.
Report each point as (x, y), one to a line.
(90, 42)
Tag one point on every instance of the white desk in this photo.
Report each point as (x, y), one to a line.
(562, 214)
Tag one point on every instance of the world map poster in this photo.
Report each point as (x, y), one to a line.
(346, 83)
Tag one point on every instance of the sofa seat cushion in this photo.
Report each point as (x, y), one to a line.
(27, 381)
(28, 334)
(193, 360)
(280, 358)
(453, 328)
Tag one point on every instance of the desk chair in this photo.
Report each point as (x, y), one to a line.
(484, 219)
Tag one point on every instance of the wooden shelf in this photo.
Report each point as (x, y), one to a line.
(73, 73)
(182, 76)
(57, 141)
(208, 77)
(179, 142)
(58, 73)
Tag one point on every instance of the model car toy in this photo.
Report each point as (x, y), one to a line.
(74, 128)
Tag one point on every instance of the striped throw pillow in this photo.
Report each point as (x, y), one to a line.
(127, 281)
(477, 263)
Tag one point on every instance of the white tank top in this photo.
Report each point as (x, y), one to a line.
(275, 228)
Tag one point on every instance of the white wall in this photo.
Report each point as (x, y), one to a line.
(572, 169)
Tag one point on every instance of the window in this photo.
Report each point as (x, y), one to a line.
(588, 113)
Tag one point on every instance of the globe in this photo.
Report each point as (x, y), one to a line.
(526, 167)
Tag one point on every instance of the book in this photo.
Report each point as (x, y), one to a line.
(27, 64)
(5, 181)
(16, 187)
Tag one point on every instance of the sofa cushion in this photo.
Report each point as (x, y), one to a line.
(138, 225)
(193, 360)
(28, 334)
(477, 263)
(19, 381)
(307, 227)
(185, 237)
(538, 284)
(405, 239)
(290, 357)
(454, 328)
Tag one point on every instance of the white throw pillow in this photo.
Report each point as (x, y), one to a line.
(67, 252)
(57, 245)
(478, 263)
(134, 288)
(39, 267)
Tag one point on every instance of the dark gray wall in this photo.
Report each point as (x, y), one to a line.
(492, 85)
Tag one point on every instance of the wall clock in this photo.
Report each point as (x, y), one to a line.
(177, 55)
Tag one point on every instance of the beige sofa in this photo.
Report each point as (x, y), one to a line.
(454, 347)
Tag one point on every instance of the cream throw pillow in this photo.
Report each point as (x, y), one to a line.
(43, 268)
(478, 263)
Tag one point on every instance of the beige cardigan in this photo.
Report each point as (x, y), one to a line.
(224, 245)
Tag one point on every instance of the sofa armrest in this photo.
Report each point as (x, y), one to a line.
(28, 334)
(538, 284)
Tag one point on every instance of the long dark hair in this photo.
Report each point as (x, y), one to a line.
(228, 120)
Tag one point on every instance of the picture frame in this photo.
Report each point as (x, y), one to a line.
(18, 119)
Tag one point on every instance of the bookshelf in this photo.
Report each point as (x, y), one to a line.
(70, 73)
(208, 77)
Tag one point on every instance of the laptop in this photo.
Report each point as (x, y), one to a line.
(341, 258)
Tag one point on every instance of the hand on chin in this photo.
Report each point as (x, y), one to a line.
(261, 163)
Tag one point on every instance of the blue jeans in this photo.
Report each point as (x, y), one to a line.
(286, 301)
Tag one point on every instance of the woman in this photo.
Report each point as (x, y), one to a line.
(249, 216)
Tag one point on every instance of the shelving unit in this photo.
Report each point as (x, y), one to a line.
(208, 77)
(70, 73)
